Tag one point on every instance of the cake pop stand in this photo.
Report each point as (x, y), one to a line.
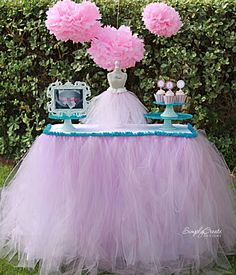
(170, 115)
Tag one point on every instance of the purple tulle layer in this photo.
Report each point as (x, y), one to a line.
(127, 205)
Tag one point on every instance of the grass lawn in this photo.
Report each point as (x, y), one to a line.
(7, 268)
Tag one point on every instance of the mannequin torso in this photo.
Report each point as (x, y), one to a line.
(117, 79)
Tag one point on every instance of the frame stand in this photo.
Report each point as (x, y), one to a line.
(68, 126)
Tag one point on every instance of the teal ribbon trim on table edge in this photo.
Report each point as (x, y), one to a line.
(193, 133)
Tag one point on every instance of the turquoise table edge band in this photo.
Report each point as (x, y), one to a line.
(193, 133)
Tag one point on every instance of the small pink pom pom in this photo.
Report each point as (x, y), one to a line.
(161, 19)
(113, 44)
(70, 21)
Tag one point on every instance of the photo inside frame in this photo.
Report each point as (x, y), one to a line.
(68, 99)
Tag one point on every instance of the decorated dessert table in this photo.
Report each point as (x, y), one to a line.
(118, 200)
(114, 193)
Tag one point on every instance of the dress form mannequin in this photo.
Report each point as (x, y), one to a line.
(116, 106)
(117, 78)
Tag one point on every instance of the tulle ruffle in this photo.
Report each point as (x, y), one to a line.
(118, 204)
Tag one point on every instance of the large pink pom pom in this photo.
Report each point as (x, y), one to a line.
(113, 44)
(70, 21)
(161, 19)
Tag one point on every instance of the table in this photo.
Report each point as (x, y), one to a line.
(127, 203)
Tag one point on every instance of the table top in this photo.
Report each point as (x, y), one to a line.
(179, 130)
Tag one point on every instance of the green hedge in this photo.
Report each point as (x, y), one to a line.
(202, 54)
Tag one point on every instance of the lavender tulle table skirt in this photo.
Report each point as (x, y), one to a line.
(129, 205)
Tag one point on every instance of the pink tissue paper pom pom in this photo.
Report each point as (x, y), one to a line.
(70, 21)
(113, 44)
(161, 19)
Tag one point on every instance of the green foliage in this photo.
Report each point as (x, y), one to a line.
(4, 172)
(202, 53)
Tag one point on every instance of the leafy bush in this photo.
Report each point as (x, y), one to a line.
(202, 53)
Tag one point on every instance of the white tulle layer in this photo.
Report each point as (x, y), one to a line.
(116, 107)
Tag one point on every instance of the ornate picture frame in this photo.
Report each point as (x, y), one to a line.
(68, 99)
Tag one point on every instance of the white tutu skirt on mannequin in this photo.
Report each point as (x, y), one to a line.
(116, 107)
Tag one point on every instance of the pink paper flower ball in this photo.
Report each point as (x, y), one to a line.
(113, 44)
(70, 21)
(161, 19)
